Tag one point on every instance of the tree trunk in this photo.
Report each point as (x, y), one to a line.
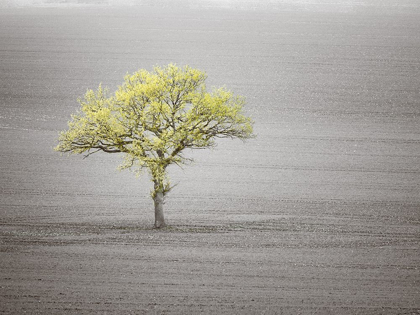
(159, 218)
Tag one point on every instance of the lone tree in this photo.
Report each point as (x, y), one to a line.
(152, 118)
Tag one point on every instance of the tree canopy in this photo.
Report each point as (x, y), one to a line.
(153, 117)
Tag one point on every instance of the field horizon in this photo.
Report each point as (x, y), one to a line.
(380, 6)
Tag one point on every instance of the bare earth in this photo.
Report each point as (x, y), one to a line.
(319, 214)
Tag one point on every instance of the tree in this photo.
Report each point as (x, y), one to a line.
(152, 118)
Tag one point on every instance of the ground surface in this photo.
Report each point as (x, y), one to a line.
(318, 215)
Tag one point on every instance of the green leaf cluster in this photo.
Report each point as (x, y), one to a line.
(153, 117)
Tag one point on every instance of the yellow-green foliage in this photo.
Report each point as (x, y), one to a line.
(153, 117)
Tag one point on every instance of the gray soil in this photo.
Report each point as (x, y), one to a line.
(319, 214)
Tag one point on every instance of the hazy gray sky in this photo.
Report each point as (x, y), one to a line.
(224, 3)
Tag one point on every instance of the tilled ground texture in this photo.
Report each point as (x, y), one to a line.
(280, 266)
(319, 214)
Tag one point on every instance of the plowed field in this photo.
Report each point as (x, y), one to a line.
(319, 214)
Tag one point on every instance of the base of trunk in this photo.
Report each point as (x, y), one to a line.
(159, 225)
(159, 217)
